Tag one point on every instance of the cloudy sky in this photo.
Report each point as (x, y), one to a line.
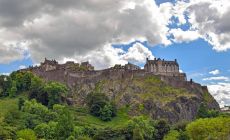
(107, 32)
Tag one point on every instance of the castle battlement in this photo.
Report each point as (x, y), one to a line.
(72, 72)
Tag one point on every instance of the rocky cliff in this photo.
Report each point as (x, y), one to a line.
(160, 96)
(156, 96)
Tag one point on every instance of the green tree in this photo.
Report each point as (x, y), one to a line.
(13, 89)
(33, 107)
(209, 128)
(142, 127)
(65, 125)
(7, 132)
(37, 91)
(26, 134)
(204, 112)
(5, 84)
(36, 113)
(162, 128)
(21, 102)
(26, 81)
(100, 106)
(42, 130)
(172, 135)
(46, 131)
(106, 113)
(55, 91)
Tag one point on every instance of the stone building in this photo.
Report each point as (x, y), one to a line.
(49, 65)
(164, 68)
(159, 66)
(130, 66)
(87, 65)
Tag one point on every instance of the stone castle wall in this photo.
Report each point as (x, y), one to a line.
(64, 73)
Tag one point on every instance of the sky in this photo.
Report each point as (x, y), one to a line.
(106, 32)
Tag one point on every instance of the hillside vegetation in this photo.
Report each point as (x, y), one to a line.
(32, 109)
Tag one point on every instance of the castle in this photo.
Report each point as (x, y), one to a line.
(73, 73)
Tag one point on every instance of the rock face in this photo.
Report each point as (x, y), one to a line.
(151, 96)
(160, 96)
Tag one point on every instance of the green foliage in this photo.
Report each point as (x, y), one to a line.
(156, 89)
(47, 131)
(21, 102)
(55, 91)
(36, 113)
(22, 79)
(42, 130)
(7, 132)
(209, 128)
(204, 112)
(172, 135)
(100, 106)
(176, 135)
(33, 107)
(5, 85)
(137, 135)
(12, 117)
(13, 90)
(111, 134)
(6, 105)
(162, 128)
(84, 138)
(142, 128)
(37, 92)
(65, 125)
(106, 113)
(78, 131)
(26, 134)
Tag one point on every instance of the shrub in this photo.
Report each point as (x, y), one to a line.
(21, 102)
(162, 128)
(142, 127)
(172, 135)
(65, 125)
(204, 112)
(55, 91)
(209, 128)
(100, 106)
(26, 134)
(47, 131)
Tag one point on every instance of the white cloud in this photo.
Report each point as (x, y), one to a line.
(184, 36)
(138, 53)
(209, 18)
(218, 78)
(221, 93)
(109, 56)
(65, 29)
(10, 49)
(57, 29)
(214, 72)
(22, 67)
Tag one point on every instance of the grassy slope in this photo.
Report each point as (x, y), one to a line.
(81, 115)
(84, 118)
